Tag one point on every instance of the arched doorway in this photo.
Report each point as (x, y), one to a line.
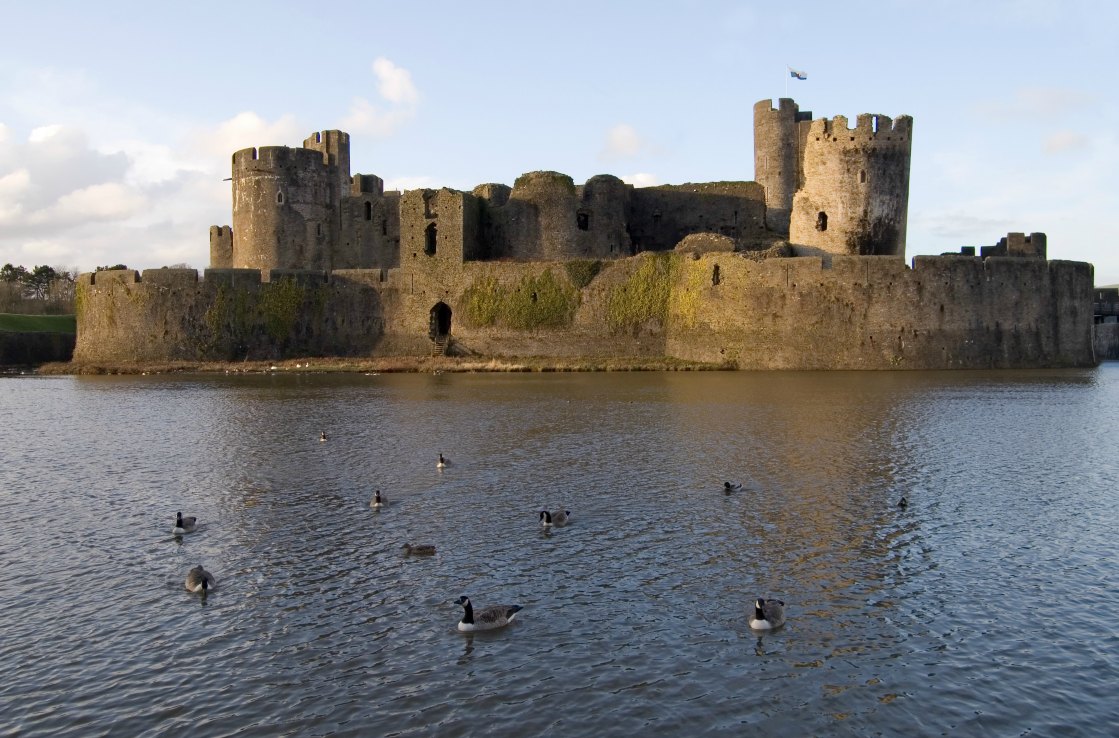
(439, 324)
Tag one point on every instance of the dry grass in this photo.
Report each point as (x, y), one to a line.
(406, 364)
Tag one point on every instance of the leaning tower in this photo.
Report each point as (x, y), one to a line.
(779, 136)
(854, 196)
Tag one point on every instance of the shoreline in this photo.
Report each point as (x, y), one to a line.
(387, 365)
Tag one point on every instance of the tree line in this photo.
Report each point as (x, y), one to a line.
(41, 290)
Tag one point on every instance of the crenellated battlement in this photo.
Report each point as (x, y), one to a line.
(869, 128)
(271, 159)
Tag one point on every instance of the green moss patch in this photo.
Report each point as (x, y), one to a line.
(13, 323)
(582, 271)
(645, 295)
(536, 301)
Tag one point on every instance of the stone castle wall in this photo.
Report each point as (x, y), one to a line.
(799, 313)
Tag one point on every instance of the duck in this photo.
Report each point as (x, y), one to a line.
(768, 614)
(729, 487)
(485, 618)
(558, 518)
(442, 462)
(378, 500)
(419, 549)
(184, 525)
(199, 580)
(903, 503)
(322, 435)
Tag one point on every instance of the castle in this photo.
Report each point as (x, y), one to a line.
(802, 268)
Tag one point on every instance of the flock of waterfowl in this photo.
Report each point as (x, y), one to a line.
(768, 613)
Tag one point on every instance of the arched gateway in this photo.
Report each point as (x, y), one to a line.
(439, 327)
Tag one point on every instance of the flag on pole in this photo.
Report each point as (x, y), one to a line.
(797, 73)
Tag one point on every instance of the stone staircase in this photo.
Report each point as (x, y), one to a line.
(439, 347)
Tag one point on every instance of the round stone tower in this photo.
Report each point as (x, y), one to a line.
(286, 203)
(855, 194)
(779, 136)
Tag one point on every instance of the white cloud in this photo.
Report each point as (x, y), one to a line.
(246, 130)
(622, 141)
(394, 86)
(1034, 103)
(395, 83)
(106, 201)
(641, 179)
(1063, 141)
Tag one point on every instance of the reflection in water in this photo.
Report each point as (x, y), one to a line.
(636, 612)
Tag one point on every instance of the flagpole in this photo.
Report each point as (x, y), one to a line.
(786, 80)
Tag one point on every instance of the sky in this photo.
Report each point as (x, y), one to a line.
(118, 120)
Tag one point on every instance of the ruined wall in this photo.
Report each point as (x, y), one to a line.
(779, 135)
(855, 196)
(876, 313)
(230, 315)
(800, 313)
(369, 234)
(1105, 337)
(660, 217)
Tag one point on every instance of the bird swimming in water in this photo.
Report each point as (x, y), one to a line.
(442, 462)
(184, 524)
(322, 435)
(558, 518)
(903, 503)
(485, 618)
(199, 580)
(378, 500)
(768, 614)
(729, 487)
(420, 549)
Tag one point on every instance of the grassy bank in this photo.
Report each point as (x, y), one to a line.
(394, 364)
(13, 323)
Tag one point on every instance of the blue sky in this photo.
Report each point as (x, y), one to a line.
(117, 121)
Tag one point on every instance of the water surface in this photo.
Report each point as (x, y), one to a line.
(986, 607)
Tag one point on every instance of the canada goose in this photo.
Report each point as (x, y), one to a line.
(558, 518)
(442, 462)
(419, 549)
(184, 525)
(729, 487)
(903, 503)
(485, 618)
(378, 500)
(322, 435)
(199, 580)
(768, 614)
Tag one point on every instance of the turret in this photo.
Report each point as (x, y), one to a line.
(855, 193)
(779, 136)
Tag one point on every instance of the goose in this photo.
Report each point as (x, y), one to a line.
(768, 614)
(903, 503)
(558, 518)
(485, 618)
(442, 462)
(377, 500)
(322, 435)
(420, 549)
(199, 580)
(184, 525)
(729, 487)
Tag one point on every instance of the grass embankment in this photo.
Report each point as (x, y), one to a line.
(414, 364)
(12, 323)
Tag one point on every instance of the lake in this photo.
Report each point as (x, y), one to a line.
(987, 606)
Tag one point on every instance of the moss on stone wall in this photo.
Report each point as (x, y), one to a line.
(537, 301)
(684, 306)
(582, 271)
(280, 306)
(645, 295)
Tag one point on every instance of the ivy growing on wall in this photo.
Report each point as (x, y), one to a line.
(536, 301)
(645, 295)
(582, 271)
(280, 304)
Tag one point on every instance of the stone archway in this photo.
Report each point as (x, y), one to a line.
(439, 321)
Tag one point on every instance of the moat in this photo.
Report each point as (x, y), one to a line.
(950, 615)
